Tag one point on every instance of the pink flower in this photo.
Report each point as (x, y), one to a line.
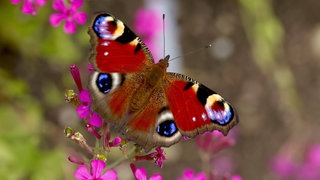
(309, 169)
(221, 166)
(90, 67)
(93, 131)
(94, 172)
(284, 165)
(116, 142)
(76, 160)
(157, 156)
(83, 109)
(148, 24)
(141, 174)
(70, 15)
(189, 174)
(75, 72)
(213, 142)
(30, 6)
(95, 120)
(106, 138)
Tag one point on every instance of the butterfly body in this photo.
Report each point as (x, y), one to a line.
(140, 99)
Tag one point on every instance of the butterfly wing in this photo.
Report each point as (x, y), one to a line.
(115, 48)
(196, 108)
(119, 59)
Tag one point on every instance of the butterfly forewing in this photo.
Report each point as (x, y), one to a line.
(115, 48)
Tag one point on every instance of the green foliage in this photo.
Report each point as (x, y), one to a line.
(35, 38)
(21, 154)
(28, 43)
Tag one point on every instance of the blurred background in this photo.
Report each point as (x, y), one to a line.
(264, 59)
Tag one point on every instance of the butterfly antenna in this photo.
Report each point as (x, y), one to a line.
(164, 35)
(192, 52)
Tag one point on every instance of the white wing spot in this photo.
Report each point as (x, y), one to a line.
(194, 119)
(105, 43)
(105, 53)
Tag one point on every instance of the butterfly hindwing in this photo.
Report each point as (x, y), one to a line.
(153, 126)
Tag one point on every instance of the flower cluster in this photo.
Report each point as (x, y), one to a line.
(30, 6)
(221, 166)
(71, 15)
(65, 12)
(100, 130)
(285, 167)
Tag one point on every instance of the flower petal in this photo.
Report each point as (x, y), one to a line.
(40, 2)
(80, 17)
(313, 155)
(76, 4)
(109, 175)
(236, 177)
(156, 177)
(95, 120)
(147, 22)
(28, 8)
(69, 27)
(59, 5)
(75, 72)
(189, 173)
(90, 67)
(116, 142)
(84, 96)
(83, 111)
(97, 167)
(15, 1)
(283, 166)
(201, 176)
(55, 19)
(140, 174)
(82, 173)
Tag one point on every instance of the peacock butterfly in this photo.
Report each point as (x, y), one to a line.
(148, 105)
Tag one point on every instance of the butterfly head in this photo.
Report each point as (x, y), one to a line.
(164, 63)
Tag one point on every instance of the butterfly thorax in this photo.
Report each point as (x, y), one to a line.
(153, 78)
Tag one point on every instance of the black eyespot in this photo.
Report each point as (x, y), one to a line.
(104, 82)
(167, 128)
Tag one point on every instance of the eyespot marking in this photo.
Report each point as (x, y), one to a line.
(104, 82)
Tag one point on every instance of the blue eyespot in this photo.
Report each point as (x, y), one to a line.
(167, 128)
(97, 23)
(104, 82)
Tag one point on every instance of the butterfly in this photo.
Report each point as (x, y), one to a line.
(142, 101)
